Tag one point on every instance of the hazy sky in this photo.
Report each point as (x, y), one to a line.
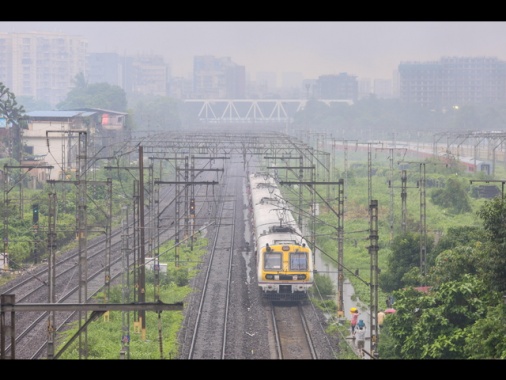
(370, 49)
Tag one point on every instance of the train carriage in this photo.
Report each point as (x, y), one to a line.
(284, 259)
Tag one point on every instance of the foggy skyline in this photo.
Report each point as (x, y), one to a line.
(369, 49)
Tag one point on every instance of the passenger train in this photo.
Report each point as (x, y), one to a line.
(283, 258)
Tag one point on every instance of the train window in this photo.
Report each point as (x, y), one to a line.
(298, 261)
(272, 260)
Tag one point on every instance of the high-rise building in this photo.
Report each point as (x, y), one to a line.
(218, 78)
(341, 86)
(383, 88)
(105, 68)
(140, 74)
(365, 88)
(148, 74)
(453, 81)
(41, 65)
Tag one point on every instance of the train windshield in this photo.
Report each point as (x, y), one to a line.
(272, 260)
(298, 261)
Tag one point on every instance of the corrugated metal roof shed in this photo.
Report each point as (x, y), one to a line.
(101, 110)
(58, 114)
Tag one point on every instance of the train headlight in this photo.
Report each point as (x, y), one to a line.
(300, 277)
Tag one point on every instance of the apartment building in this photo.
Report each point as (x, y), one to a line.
(341, 86)
(218, 78)
(453, 81)
(139, 74)
(105, 68)
(41, 65)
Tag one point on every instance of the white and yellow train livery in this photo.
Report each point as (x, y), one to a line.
(284, 259)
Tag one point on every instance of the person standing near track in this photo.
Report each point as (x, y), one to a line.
(360, 336)
(354, 319)
(381, 319)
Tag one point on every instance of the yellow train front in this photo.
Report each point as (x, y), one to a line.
(285, 271)
(284, 259)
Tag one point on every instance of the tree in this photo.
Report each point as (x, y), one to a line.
(80, 81)
(462, 316)
(458, 252)
(493, 214)
(97, 95)
(324, 286)
(31, 104)
(485, 339)
(436, 325)
(452, 264)
(13, 113)
(453, 197)
(405, 255)
(459, 236)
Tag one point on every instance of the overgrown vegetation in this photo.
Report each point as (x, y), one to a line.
(465, 262)
(106, 336)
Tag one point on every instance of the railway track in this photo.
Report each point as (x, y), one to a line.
(32, 287)
(291, 333)
(214, 300)
(224, 317)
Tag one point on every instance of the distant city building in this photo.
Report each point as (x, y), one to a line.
(453, 81)
(146, 74)
(383, 88)
(292, 85)
(218, 78)
(365, 88)
(379, 88)
(396, 86)
(44, 66)
(140, 74)
(105, 68)
(266, 83)
(41, 65)
(341, 86)
(180, 88)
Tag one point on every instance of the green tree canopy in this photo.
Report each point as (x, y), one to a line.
(10, 110)
(437, 324)
(462, 315)
(453, 196)
(31, 104)
(493, 214)
(405, 255)
(97, 95)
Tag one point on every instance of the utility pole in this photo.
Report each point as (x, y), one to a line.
(373, 252)
(340, 248)
(125, 283)
(142, 255)
(423, 224)
(82, 231)
(51, 245)
(404, 197)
